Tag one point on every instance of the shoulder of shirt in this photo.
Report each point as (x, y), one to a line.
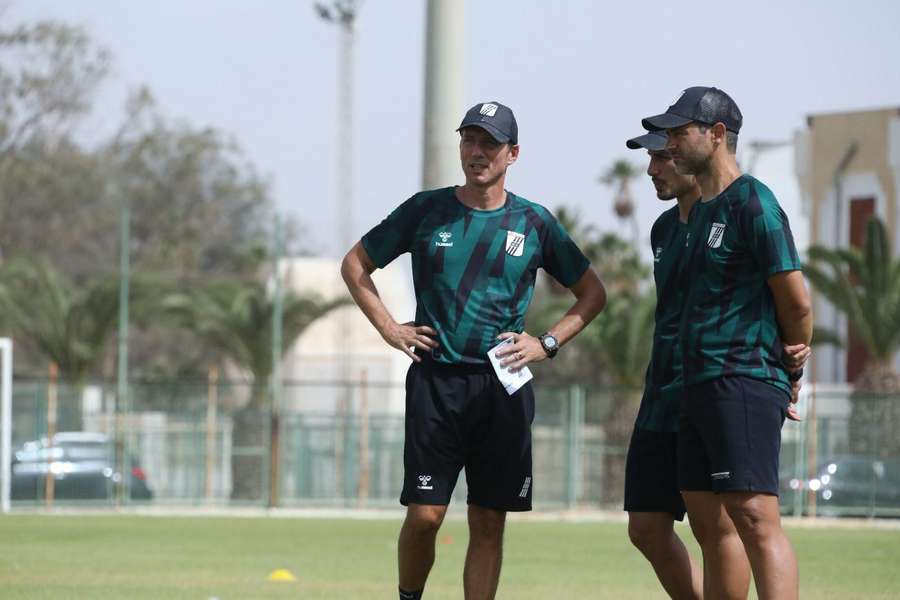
(444, 192)
(520, 203)
(763, 191)
(419, 198)
(666, 217)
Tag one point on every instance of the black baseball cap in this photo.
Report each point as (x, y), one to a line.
(652, 140)
(707, 105)
(495, 118)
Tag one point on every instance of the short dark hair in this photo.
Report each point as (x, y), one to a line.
(731, 138)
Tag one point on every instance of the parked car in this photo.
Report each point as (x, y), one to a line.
(82, 465)
(854, 485)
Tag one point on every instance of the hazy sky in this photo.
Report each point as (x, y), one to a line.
(579, 76)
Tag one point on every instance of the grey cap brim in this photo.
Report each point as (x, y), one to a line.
(664, 121)
(495, 133)
(651, 141)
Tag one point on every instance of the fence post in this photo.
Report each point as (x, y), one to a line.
(573, 444)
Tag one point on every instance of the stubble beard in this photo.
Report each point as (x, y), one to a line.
(694, 164)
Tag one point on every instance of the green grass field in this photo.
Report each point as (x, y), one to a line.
(229, 558)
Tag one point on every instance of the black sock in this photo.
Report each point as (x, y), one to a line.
(404, 595)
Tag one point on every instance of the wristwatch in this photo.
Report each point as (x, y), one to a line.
(550, 344)
(796, 375)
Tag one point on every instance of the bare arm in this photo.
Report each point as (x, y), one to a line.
(590, 298)
(357, 269)
(795, 323)
(792, 307)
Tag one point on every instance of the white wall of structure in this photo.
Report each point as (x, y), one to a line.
(312, 372)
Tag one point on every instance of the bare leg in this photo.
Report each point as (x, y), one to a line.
(653, 533)
(758, 521)
(416, 544)
(485, 554)
(726, 571)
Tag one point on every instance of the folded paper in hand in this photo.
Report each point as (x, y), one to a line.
(511, 381)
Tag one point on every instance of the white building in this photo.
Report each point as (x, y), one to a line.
(332, 356)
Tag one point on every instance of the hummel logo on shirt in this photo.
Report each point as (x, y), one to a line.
(515, 243)
(488, 110)
(445, 236)
(715, 235)
(425, 482)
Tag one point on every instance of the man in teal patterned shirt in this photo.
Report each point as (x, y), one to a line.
(475, 250)
(652, 496)
(743, 299)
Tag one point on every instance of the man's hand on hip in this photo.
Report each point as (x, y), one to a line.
(409, 335)
(523, 350)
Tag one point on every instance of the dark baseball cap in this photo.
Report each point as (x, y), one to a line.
(653, 141)
(707, 105)
(495, 118)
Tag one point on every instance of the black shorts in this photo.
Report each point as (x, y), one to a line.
(460, 416)
(729, 436)
(651, 474)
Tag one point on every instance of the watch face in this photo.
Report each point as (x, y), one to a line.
(550, 342)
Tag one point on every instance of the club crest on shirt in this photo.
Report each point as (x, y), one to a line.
(715, 235)
(515, 243)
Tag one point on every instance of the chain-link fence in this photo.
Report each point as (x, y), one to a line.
(222, 444)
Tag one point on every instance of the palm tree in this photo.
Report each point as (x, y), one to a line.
(620, 175)
(235, 319)
(67, 324)
(865, 286)
(621, 338)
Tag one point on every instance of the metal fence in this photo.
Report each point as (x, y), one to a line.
(342, 446)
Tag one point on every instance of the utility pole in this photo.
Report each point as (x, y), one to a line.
(444, 56)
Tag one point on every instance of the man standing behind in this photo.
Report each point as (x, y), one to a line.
(745, 297)
(652, 496)
(475, 254)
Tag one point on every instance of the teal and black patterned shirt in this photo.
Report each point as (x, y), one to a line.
(474, 270)
(728, 325)
(663, 383)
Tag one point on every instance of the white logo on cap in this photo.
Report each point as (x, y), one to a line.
(488, 110)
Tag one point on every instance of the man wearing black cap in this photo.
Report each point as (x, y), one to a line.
(475, 253)
(652, 496)
(744, 297)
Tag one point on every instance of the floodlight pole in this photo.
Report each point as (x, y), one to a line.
(343, 14)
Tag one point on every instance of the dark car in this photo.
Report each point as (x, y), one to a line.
(855, 485)
(82, 465)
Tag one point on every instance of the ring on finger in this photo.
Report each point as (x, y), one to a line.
(518, 356)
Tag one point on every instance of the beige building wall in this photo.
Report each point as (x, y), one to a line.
(841, 157)
(313, 374)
